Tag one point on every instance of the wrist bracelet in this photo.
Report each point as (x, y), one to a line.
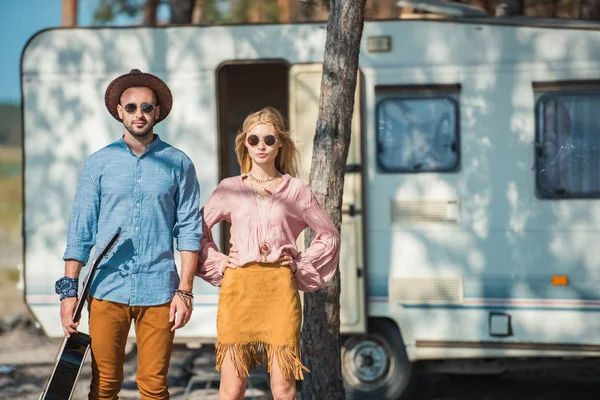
(66, 287)
(185, 293)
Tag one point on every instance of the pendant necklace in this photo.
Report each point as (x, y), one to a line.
(265, 247)
(265, 190)
(264, 181)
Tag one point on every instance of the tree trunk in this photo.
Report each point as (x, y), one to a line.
(255, 11)
(285, 15)
(321, 328)
(589, 9)
(181, 11)
(197, 12)
(150, 9)
(69, 12)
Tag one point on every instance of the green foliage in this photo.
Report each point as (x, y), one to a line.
(10, 129)
(317, 3)
(210, 12)
(11, 297)
(108, 9)
(9, 275)
(10, 189)
(272, 11)
(241, 11)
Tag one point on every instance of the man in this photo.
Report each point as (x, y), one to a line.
(150, 189)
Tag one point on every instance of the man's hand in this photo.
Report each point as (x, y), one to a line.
(68, 304)
(181, 305)
(181, 311)
(67, 309)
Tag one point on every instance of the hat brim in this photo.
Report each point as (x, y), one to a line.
(115, 89)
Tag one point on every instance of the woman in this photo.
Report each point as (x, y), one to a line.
(259, 314)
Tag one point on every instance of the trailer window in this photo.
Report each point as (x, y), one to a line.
(417, 134)
(568, 143)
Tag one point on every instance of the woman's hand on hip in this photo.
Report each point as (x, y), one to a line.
(287, 260)
(232, 261)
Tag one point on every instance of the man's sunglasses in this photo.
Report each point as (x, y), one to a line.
(269, 140)
(131, 108)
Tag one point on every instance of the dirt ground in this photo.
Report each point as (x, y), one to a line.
(27, 356)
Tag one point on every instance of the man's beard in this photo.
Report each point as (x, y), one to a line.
(139, 133)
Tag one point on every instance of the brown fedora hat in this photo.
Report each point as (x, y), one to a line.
(134, 78)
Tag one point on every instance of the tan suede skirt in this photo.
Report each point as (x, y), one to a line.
(259, 320)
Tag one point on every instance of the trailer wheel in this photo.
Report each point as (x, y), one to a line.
(375, 365)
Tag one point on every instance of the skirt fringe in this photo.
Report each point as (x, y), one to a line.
(246, 356)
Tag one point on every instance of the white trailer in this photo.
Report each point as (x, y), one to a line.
(471, 218)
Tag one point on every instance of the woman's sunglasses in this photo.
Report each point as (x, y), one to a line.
(131, 108)
(269, 140)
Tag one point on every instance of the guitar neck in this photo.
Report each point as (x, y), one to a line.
(88, 280)
(85, 292)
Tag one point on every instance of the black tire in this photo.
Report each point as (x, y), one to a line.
(375, 366)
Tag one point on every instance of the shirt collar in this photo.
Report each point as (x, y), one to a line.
(151, 147)
(284, 184)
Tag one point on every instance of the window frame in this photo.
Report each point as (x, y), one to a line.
(544, 91)
(450, 93)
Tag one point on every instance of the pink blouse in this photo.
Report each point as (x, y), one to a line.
(279, 220)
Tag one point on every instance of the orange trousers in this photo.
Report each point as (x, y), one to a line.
(109, 326)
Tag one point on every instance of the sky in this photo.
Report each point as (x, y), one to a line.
(19, 21)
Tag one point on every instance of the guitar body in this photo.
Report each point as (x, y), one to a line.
(69, 361)
(67, 367)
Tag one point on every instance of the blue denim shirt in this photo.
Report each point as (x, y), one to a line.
(153, 198)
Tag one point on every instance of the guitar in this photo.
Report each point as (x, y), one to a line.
(73, 350)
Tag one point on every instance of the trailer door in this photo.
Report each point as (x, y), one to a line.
(305, 85)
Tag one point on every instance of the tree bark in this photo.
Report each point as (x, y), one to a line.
(321, 328)
(197, 12)
(150, 9)
(285, 15)
(255, 11)
(69, 12)
(181, 11)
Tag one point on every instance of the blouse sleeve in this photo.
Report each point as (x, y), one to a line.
(316, 265)
(211, 260)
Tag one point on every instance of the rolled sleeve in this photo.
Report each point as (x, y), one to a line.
(188, 228)
(77, 253)
(188, 244)
(83, 225)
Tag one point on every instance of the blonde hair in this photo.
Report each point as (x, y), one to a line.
(286, 161)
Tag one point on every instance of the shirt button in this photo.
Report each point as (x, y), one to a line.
(133, 275)
(138, 204)
(139, 180)
(137, 228)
